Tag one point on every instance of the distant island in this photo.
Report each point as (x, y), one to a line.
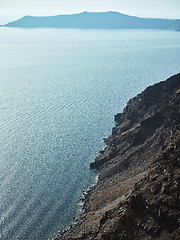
(92, 20)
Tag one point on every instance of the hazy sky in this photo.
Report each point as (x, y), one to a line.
(10, 9)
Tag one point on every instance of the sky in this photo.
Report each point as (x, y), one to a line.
(14, 9)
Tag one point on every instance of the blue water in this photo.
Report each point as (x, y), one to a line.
(59, 91)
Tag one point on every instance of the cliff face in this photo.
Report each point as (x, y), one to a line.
(137, 195)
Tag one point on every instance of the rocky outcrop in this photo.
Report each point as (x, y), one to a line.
(137, 195)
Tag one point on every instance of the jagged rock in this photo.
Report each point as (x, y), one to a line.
(118, 118)
(138, 192)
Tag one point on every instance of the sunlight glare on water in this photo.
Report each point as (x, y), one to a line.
(60, 90)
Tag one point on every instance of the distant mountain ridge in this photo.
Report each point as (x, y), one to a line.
(104, 20)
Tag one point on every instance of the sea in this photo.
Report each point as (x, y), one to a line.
(59, 92)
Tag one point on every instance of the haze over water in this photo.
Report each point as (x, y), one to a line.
(60, 90)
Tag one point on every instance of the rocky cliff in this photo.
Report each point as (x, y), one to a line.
(137, 195)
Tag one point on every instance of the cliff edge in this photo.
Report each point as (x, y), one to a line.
(137, 194)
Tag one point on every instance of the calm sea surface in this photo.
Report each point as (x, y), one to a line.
(59, 91)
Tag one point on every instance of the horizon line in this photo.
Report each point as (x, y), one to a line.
(85, 12)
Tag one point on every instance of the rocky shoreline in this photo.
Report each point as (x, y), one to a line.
(137, 194)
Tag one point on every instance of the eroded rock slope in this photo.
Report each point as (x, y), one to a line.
(137, 195)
